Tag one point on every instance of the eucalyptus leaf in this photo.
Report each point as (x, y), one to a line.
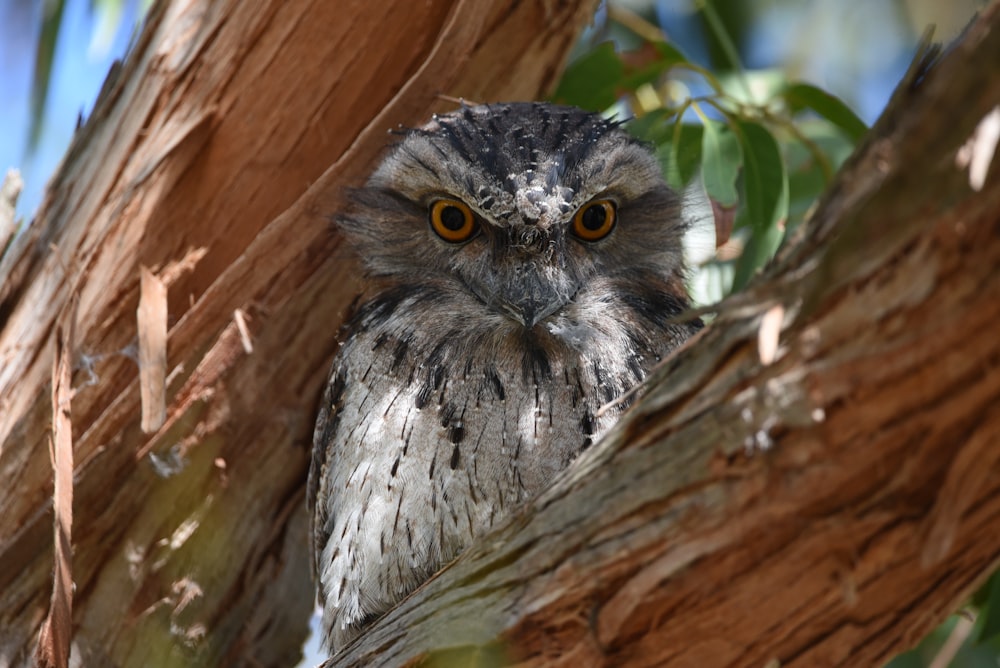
(652, 127)
(720, 162)
(591, 81)
(52, 19)
(765, 179)
(686, 151)
(991, 623)
(670, 54)
(680, 154)
(760, 248)
(806, 96)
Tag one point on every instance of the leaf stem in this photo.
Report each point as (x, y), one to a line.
(732, 54)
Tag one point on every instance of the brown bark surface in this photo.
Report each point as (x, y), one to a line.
(213, 157)
(828, 508)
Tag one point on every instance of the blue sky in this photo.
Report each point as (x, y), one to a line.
(86, 49)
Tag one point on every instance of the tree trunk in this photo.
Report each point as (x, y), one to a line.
(826, 507)
(209, 167)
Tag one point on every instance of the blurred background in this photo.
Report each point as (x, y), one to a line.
(55, 55)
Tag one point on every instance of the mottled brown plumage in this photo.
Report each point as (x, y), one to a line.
(529, 261)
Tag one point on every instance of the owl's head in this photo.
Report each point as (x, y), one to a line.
(523, 207)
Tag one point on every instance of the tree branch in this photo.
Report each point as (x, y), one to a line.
(828, 508)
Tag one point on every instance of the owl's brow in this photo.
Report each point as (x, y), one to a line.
(376, 197)
(415, 157)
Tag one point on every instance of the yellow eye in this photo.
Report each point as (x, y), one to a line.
(453, 220)
(594, 220)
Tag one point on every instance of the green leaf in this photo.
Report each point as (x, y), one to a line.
(760, 248)
(670, 54)
(590, 82)
(765, 179)
(808, 173)
(910, 659)
(653, 71)
(981, 597)
(685, 151)
(721, 161)
(52, 16)
(991, 624)
(651, 127)
(806, 96)
(680, 154)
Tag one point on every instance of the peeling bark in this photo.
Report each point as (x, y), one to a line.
(214, 157)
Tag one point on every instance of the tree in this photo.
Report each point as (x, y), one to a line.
(812, 480)
(209, 167)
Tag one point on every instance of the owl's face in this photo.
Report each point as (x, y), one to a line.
(525, 210)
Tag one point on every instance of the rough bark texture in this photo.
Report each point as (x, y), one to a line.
(826, 509)
(213, 157)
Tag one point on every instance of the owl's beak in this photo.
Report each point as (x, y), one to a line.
(530, 312)
(532, 301)
(527, 293)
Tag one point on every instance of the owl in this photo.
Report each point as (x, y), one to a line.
(526, 270)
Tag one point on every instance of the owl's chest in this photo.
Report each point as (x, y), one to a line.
(437, 438)
(476, 423)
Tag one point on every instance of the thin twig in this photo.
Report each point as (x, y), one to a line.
(635, 23)
(957, 637)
